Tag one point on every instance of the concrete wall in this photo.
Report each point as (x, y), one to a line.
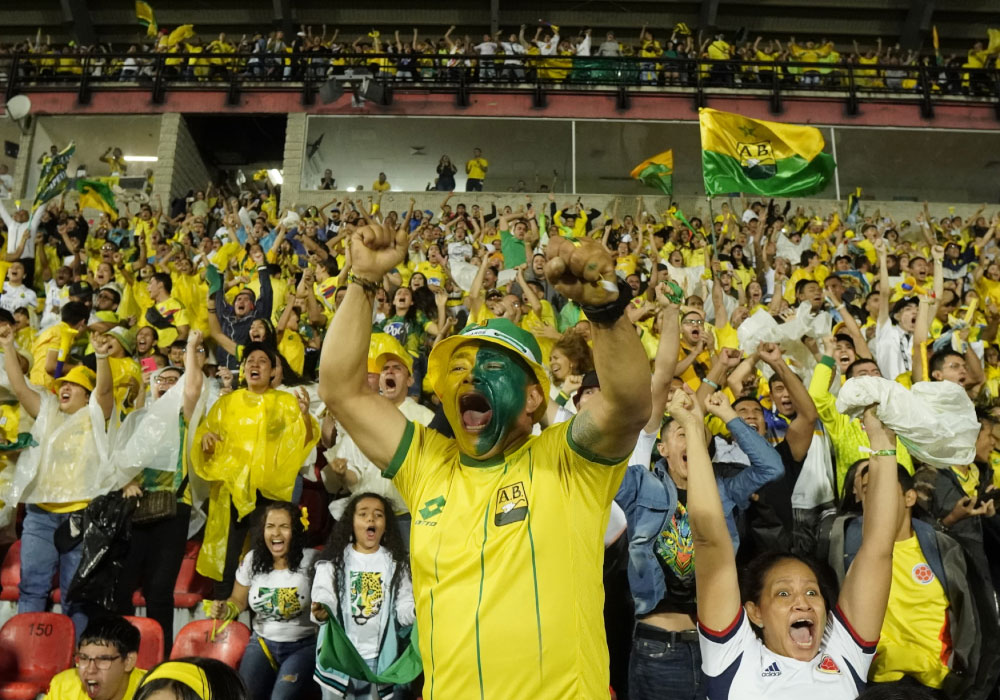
(656, 205)
(906, 164)
(179, 166)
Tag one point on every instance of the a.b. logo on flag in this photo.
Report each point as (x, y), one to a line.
(511, 504)
(757, 159)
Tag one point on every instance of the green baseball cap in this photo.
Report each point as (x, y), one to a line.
(497, 331)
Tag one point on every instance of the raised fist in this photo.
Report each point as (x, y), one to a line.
(376, 249)
(581, 270)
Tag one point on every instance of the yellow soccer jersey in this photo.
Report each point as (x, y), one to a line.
(506, 557)
(915, 638)
(175, 314)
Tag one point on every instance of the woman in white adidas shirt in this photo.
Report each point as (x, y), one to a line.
(781, 639)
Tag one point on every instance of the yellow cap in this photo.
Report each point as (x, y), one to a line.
(78, 375)
(382, 347)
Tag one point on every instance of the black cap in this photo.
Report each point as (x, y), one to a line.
(80, 289)
(902, 304)
(590, 381)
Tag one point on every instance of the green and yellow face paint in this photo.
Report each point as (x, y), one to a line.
(483, 394)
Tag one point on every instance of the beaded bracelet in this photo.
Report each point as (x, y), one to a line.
(367, 285)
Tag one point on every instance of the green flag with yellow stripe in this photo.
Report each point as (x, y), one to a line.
(771, 159)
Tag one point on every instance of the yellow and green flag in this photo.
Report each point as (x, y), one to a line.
(97, 195)
(144, 14)
(771, 159)
(657, 172)
(52, 179)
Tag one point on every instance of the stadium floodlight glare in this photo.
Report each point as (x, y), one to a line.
(139, 159)
(351, 189)
(275, 176)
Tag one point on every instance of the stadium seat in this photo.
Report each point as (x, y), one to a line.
(10, 576)
(150, 643)
(33, 648)
(190, 587)
(195, 639)
(10, 573)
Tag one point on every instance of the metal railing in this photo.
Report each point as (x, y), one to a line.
(357, 73)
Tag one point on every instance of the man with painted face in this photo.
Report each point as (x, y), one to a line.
(507, 537)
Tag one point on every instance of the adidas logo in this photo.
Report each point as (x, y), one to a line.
(771, 670)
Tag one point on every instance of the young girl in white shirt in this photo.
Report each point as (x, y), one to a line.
(363, 579)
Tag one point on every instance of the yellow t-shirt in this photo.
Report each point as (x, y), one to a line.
(381, 186)
(66, 685)
(968, 481)
(434, 274)
(626, 264)
(476, 168)
(506, 557)
(915, 637)
(175, 313)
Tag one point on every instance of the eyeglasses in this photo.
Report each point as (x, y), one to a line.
(166, 380)
(103, 663)
(693, 322)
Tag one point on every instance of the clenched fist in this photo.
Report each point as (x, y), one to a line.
(581, 270)
(376, 249)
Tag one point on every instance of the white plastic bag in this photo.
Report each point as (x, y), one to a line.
(935, 420)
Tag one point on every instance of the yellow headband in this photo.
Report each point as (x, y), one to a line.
(187, 673)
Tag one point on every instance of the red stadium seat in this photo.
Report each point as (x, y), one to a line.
(10, 573)
(190, 587)
(10, 576)
(195, 639)
(33, 648)
(150, 643)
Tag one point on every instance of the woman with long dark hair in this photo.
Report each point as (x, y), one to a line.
(446, 175)
(274, 582)
(363, 578)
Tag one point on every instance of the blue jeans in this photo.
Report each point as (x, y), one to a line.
(292, 680)
(40, 561)
(659, 668)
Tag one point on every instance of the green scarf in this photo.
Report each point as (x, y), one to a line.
(334, 650)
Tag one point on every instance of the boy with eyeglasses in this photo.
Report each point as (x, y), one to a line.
(105, 664)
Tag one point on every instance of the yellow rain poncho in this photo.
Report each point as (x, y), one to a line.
(263, 447)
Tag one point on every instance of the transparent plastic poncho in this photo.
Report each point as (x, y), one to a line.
(935, 420)
(71, 462)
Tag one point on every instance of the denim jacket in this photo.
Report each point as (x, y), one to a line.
(649, 499)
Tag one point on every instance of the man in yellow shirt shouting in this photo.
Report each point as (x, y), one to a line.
(476, 171)
(105, 663)
(507, 536)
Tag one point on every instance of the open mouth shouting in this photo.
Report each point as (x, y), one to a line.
(475, 410)
(277, 545)
(801, 631)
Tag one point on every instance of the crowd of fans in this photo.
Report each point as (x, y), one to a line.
(546, 53)
(181, 363)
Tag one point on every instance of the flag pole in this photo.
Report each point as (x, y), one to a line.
(711, 226)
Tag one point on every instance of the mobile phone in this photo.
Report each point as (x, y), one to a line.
(148, 364)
